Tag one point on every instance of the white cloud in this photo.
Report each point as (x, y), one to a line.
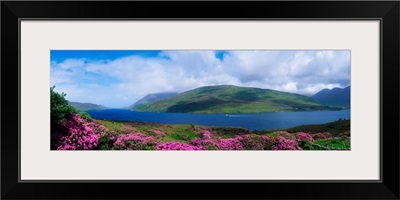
(71, 63)
(120, 82)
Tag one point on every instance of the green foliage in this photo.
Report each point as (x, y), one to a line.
(178, 129)
(306, 145)
(150, 148)
(103, 148)
(335, 143)
(85, 116)
(176, 136)
(104, 142)
(192, 127)
(107, 140)
(60, 109)
(183, 136)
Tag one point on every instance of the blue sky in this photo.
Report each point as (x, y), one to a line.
(118, 78)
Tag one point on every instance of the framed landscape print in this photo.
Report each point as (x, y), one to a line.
(304, 100)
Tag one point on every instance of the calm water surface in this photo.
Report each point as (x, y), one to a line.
(259, 121)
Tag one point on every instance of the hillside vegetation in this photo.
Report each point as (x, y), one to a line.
(86, 106)
(233, 99)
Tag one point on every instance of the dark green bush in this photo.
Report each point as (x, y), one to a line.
(85, 116)
(60, 109)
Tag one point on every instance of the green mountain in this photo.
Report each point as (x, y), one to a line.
(153, 97)
(232, 99)
(86, 106)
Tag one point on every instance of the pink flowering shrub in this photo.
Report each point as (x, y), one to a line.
(206, 144)
(282, 143)
(134, 141)
(255, 142)
(320, 136)
(287, 135)
(222, 144)
(303, 137)
(106, 140)
(207, 135)
(305, 140)
(78, 135)
(159, 133)
(113, 137)
(197, 142)
(177, 146)
(228, 144)
(327, 135)
(217, 144)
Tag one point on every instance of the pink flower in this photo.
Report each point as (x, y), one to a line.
(135, 141)
(177, 146)
(320, 136)
(281, 143)
(327, 135)
(159, 133)
(229, 144)
(218, 144)
(79, 134)
(303, 137)
(207, 135)
(254, 142)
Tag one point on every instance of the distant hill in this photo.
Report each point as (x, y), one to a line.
(153, 97)
(232, 99)
(86, 106)
(333, 97)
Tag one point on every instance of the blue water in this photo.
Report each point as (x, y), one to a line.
(259, 121)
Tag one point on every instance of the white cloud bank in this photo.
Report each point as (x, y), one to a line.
(121, 82)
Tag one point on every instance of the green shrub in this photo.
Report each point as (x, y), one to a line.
(60, 109)
(85, 116)
(106, 141)
(183, 136)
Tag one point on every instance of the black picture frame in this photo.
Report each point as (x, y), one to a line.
(386, 11)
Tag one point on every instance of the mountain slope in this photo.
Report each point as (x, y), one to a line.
(86, 106)
(333, 97)
(153, 97)
(232, 99)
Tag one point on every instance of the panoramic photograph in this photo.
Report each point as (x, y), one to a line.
(264, 100)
